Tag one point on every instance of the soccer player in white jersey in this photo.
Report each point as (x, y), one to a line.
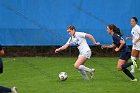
(79, 39)
(135, 40)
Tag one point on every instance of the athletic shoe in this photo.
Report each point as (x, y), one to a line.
(132, 71)
(134, 63)
(92, 73)
(134, 80)
(14, 90)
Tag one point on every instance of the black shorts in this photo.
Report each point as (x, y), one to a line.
(1, 66)
(125, 55)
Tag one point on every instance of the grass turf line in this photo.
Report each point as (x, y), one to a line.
(40, 75)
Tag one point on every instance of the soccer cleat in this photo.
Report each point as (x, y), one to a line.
(14, 90)
(134, 63)
(132, 71)
(92, 73)
(134, 80)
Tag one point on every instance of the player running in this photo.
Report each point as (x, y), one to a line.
(79, 39)
(120, 46)
(5, 89)
(135, 40)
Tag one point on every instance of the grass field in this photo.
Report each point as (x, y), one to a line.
(40, 75)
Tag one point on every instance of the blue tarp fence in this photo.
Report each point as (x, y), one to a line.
(44, 22)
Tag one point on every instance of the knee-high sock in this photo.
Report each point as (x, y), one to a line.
(133, 68)
(127, 65)
(127, 72)
(4, 89)
(84, 75)
(133, 59)
(82, 67)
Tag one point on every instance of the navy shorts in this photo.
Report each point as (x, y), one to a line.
(125, 55)
(1, 66)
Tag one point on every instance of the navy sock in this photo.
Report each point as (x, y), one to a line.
(127, 72)
(127, 65)
(4, 89)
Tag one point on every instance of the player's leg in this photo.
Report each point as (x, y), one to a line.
(7, 90)
(122, 65)
(139, 60)
(77, 65)
(4, 89)
(134, 55)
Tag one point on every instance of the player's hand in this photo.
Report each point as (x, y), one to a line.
(135, 43)
(57, 50)
(102, 47)
(97, 43)
(117, 49)
(127, 38)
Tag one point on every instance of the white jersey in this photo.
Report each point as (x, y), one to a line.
(135, 34)
(79, 40)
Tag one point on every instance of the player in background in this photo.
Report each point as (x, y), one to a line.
(120, 46)
(79, 39)
(5, 89)
(135, 40)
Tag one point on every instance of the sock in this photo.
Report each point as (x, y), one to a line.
(4, 89)
(82, 67)
(84, 75)
(127, 65)
(133, 58)
(127, 72)
(133, 68)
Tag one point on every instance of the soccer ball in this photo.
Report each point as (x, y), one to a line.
(63, 76)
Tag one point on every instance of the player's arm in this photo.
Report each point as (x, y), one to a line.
(129, 38)
(92, 39)
(62, 48)
(137, 40)
(1, 51)
(122, 42)
(110, 46)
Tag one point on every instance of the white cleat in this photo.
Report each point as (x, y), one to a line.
(132, 71)
(14, 90)
(134, 80)
(134, 63)
(92, 73)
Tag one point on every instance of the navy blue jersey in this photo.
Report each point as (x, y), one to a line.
(116, 40)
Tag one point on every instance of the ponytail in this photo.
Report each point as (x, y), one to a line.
(115, 29)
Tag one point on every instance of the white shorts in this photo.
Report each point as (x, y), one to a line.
(136, 47)
(86, 54)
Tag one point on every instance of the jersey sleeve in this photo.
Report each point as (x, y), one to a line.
(69, 41)
(81, 34)
(116, 39)
(138, 30)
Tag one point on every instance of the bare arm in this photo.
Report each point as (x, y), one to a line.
(62, 48)
(137, 40)
(110, 46)
(121, 45)
(92, 39)
(129, 38)
(2, 52)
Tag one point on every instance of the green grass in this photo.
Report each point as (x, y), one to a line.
(40, 75)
